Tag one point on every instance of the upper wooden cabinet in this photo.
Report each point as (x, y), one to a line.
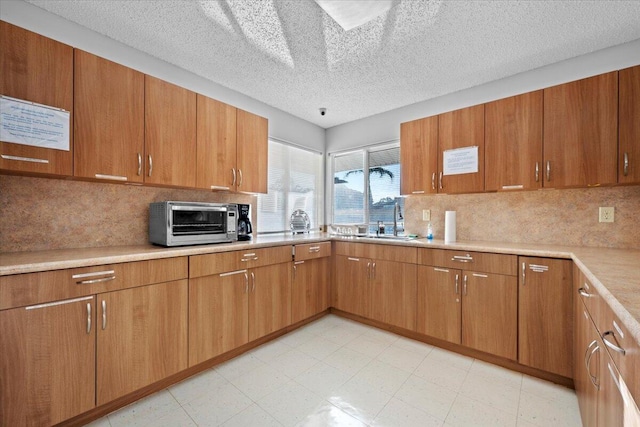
(513, 143)
(629, 111)
(458, 129)
(109, 120)
(252, 152)
(580, 132)
(37, 69)
(170, 133)
(216, 145)
(419, 156)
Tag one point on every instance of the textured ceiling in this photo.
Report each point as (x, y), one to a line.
(291, 55)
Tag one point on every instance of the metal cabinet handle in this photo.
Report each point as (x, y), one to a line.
(457, 284)
(253, 281)
(139, 164)
(246, 283)
(464, 286)
(524, 273)
(353, 259)
(594, 378)
(104, 315)
(369, 270)
(88, 317)
(233, 172)
(433, 181)
(418, 192)
(220, 187)
(460, 258)
(150, 164)
(373, 271)
(537, 171)
(586, 352)
(625, 168)
(548, 171)
(440, 180)
(314, 249)
(241, 178)
(111, 177)
(584, 293)
(249, 257)
(611, 345)
(24, 159)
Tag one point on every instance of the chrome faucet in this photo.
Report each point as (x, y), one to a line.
(396, 214)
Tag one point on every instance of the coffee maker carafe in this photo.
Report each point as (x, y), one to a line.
(244, 222)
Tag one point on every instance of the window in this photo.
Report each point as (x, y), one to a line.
(360, 198)
(295, 182)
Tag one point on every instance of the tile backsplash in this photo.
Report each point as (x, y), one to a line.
(562, 217)
(41, 213)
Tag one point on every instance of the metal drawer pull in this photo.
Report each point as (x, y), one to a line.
(625, 168)
(88, 317)
(611, 345)
(457, 284)
(538, 268)
(513, 187)
(249, 257)
(418, 192)
(461, 258)
(480, 275)
(53, 304)
(93, 274)
(444, 270)
(584, 293)
(548, 171)
(233, 171)
(139, 164)
(253, 281)
(464, 281)
(314, 249)
(89, 282)
(219, 187)
(353, 259)
(537, 172)
(433, 181)
(150, 164)
(24, 159)
(112, 177)
(298, 262)
(104, 315)
(231, 273)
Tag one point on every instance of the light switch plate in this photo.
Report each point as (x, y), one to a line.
(605, 214)
(426, 215)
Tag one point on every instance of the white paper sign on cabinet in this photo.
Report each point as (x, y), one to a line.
(28, 123)
(460, 160)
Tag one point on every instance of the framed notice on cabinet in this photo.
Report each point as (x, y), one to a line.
(460, 160)
(28, 123)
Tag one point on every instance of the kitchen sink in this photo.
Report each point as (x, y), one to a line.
(389, 237)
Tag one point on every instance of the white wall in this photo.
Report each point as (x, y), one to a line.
(282, 125)
(386, 126)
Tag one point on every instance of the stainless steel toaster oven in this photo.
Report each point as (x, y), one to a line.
(192, 223)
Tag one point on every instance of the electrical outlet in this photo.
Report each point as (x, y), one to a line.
(426, 215)
(605, 214)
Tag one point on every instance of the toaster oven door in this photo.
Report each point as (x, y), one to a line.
(186, 221)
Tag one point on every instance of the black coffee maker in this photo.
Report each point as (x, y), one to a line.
(244, 222)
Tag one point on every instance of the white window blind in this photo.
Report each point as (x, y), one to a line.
(295, 182)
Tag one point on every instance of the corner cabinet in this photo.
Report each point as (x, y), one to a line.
(36, 69)
(109, 120)
(311, 280)
(581, 132)
(629, 138)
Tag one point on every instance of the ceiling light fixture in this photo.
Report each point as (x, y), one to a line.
(350, 14)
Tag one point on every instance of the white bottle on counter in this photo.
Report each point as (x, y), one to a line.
(429, 231)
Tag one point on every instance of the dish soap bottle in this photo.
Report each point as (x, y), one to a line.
(429, 231)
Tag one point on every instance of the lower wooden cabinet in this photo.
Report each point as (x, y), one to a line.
(47, 362)
(309, 288)
(142, 337)
(229, 309)
(545, 308)
(351, 292)
(439, 303)
(585, 377)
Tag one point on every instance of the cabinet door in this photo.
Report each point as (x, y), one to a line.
(351, 292)
(169, 133)
(309, 288)
(109, 119)
(513, 143)
(216, 145)
(586, 375)
(37, 69)
(419, 156)
(47, 362)
(142, 337)
(439, 303)
(616, 407)
(458, 129)
(394, 290)
(490, 313)
(218, 314)
(629, 143)
(545, 308)
(252, 145)
(580, 132)
(269, 299)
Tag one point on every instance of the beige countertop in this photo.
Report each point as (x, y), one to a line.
(614, 272)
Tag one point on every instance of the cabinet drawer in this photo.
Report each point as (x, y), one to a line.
(476, 261)
(205, 265)
(34, 288)
(380, 252)
(588, 294)
(312, 251)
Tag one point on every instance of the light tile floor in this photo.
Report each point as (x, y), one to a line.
(336, 372)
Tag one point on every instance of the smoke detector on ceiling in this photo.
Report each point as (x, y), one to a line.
(350, 14)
